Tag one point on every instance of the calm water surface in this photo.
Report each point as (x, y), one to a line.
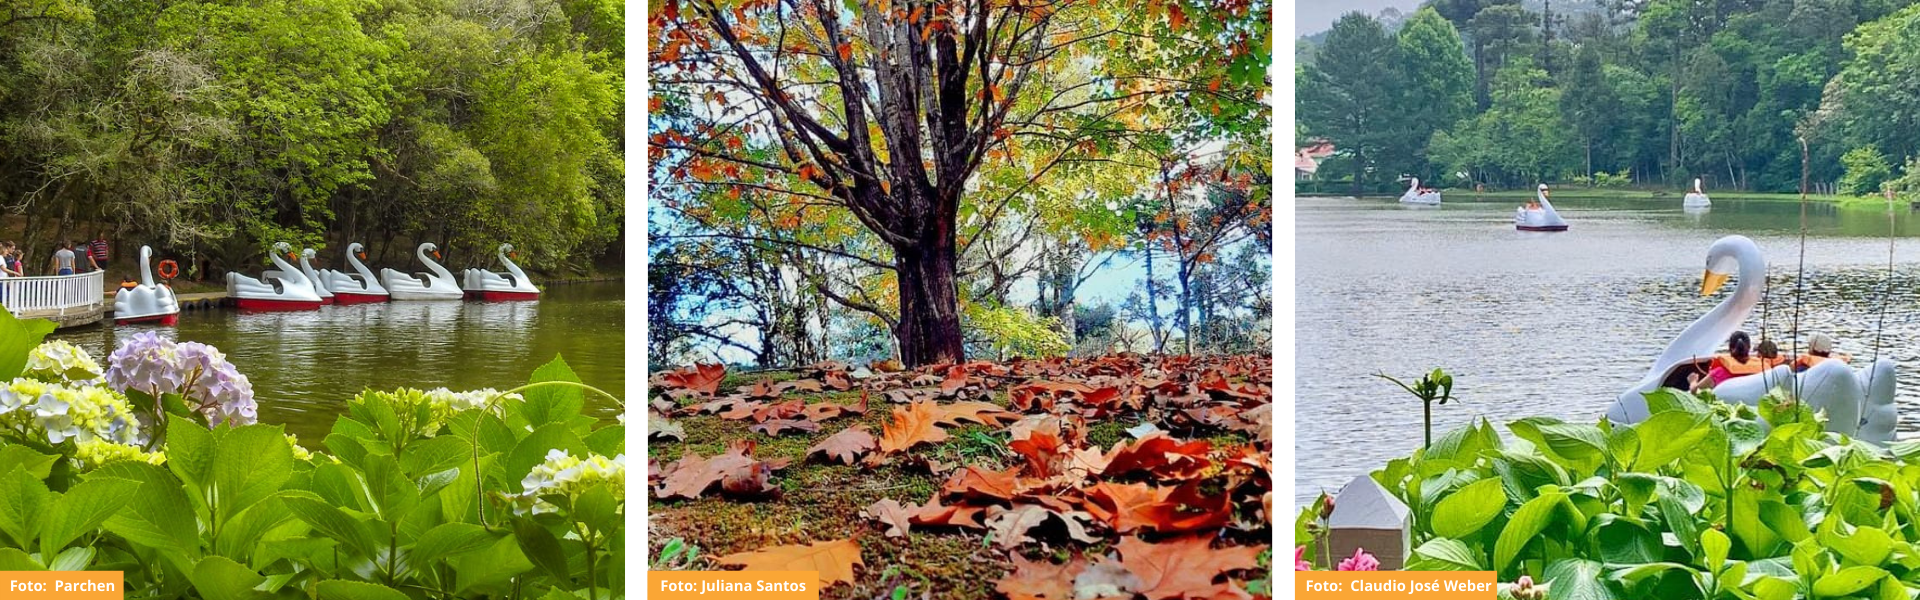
(1555, 324)
(306, 365)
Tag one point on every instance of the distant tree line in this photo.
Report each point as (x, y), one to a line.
(1648, 92)
(215, 128)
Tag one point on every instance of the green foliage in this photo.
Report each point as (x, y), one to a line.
(1352, 93)
(1008, 332)
(423, 493)
(1866, 169)
(1700, 501)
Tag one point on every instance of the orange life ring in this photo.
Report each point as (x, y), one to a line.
(169, 269)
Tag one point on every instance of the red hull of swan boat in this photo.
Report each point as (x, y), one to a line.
(505, 296)
(255, 304)
(349, 298)
(167, 320)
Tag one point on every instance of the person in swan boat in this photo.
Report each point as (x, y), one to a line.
(1738, 360)
(1819, 348)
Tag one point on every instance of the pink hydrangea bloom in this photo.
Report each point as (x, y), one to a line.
(1300, 563)
(1360, 561)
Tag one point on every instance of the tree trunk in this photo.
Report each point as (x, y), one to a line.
(929, 328)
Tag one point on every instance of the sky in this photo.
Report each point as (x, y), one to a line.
(1315, 16)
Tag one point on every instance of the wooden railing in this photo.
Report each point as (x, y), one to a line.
(53, 294)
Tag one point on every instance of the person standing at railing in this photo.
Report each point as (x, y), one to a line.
(63, 259)
(97, 250)
(9, 261)
(84, 257)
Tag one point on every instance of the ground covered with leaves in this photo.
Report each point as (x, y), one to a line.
(1114, 477)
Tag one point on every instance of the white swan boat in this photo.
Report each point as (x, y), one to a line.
(491, 286)
(284, 288)
(1858, 402)
(1539, 215)
(1415, 195)
(358, 287)
(1696, 198)
(319, 285)
(146, 303)
(436, 284)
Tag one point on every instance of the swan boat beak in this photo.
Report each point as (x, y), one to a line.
(1711, 282)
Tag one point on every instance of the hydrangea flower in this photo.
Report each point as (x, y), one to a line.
(1360, 561)
(198, 372)
(64, 412)
(96, 452)
(563, 474)
(61, 362)
(298, 451)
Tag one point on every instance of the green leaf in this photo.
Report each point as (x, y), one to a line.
(542, 548)
(1668, 436)
(37, 464)
(82, 509)
(354, 590)
(1575, 446)
(438, 454)
(1577, 579)
(595, 507)
(1715, 545)
(219, 578)
(1847, 581)
(23, 499)
(250, 463)
(1668, 399)
(239, 537)
(160, 517)
(1468, 509)
(552, 403)
(490, 568)
(72, 559)
(331, 522)
(1774, 588)
(1442, 554)
(190, 455)
(18, 338)
(449, 539)
(389, 492)
(12, 559)
(1862, 545)
(1627, 542)
(533, 450)
(608, 441)
(1527, 523)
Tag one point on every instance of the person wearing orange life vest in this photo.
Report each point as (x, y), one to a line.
(1769, 354)
(1737, 361)
(1819, 348)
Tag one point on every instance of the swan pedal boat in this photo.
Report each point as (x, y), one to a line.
(1540, 218)
(284, 288)
(490, 286)
(358, 287)
(436, 284)
(1696, 198)
(1859, 402)
(1415, 196)
(147, 302)
(313, 277)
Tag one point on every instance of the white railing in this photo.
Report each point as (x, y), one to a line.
(53, 294)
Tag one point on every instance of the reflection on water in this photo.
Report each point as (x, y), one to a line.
(1555, 324)
(306, 365)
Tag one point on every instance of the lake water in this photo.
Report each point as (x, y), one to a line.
(1555, 324)
(306, 365)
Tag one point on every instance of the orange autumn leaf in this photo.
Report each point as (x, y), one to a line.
(916, 424)
(1184, 565)
(1040, 579)
(845, 49)
(700, 378)
(834, 560)
(984, 413)
(846, 446)
(978, 482)
(1125, 506)
(1176, 17)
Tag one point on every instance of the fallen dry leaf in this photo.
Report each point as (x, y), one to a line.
(692, 475)
(955, 381)
(891, 513)
(1105, 579)
(1125, 506)
(1041, 580)
(834, 560)
(846, 446)
(700, 378)
(827, 410)
(1010, 526)
(1183, 565)
(659, 426)
(984, 413)
(932, 513)
(775, 426)
(783, 410)
(910, 426)
(972, 481)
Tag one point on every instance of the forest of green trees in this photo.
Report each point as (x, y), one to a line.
(213, 128)
(1652, 93)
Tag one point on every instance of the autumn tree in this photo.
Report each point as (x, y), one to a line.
(887, 114)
